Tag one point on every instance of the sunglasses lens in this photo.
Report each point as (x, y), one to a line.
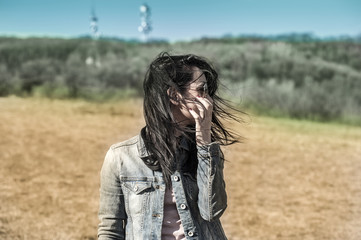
(205, 90)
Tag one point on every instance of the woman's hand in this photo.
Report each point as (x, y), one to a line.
(203, 119)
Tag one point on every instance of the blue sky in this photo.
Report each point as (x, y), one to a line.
(181, 20)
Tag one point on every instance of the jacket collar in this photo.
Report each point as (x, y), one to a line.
(143, 152)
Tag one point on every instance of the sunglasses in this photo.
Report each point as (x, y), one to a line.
(205, 90)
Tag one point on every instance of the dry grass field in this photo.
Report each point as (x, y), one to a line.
(289, 180)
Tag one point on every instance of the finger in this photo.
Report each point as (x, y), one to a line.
(208, 105)
(209, 99)
(194, 114)
(201, 109)
(206, 99)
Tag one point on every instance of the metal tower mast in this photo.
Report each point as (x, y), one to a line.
(93, 55)
(145, 23)
(94, 25)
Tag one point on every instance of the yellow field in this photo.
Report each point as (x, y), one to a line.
(288, 180)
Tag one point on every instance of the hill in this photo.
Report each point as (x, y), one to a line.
(294, 76)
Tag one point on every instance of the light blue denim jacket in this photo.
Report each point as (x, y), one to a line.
(132, 195)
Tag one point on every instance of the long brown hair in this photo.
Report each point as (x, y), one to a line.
(166, 72)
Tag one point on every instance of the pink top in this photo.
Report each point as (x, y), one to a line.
(172, 228)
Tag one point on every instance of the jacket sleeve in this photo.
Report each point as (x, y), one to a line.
(112, 214)
(212, 197)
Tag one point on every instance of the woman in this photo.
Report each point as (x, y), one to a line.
(167, 182)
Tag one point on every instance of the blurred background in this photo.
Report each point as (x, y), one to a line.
(298, 59)
(71, 75)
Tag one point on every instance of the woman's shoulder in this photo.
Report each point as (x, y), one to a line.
(126, 156)
(124, 151)
(126, 144)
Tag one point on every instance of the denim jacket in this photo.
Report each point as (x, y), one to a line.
(132, 195)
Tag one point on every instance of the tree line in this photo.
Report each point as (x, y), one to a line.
(318, 80)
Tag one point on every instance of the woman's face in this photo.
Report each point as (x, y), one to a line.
(197, 88)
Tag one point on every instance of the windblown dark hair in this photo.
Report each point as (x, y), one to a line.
(176, 72)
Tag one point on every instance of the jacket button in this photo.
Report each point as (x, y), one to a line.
(176, 178)
(190, 233)
(183, 206)
(135, 188)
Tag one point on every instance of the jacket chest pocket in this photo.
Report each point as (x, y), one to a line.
(137, 196)
(190, 186)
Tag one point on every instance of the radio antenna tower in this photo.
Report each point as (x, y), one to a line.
(93, 56)
(145, 23)
(94, 25)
